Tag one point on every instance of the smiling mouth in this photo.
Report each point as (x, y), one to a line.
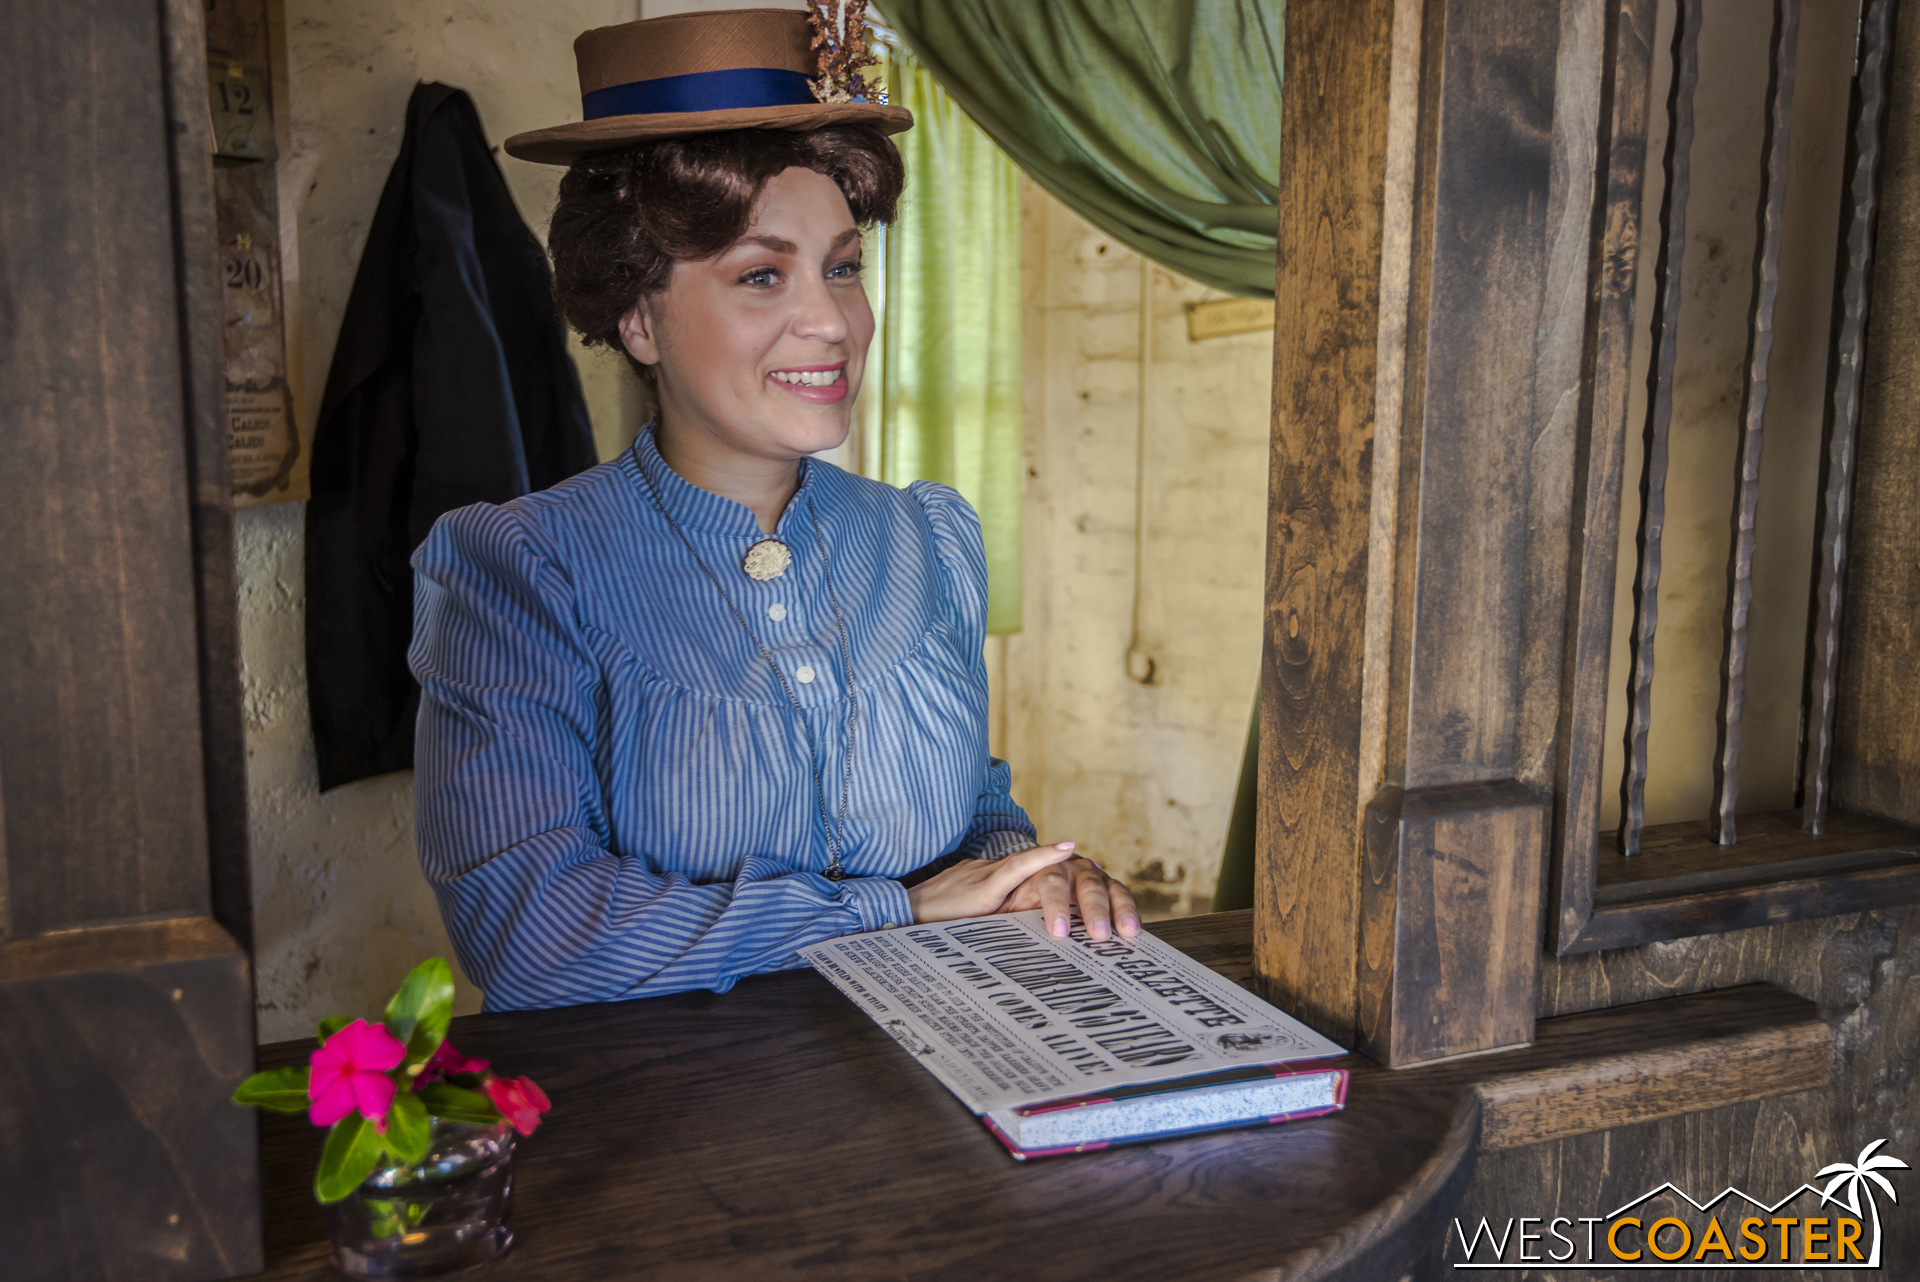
(809, 377)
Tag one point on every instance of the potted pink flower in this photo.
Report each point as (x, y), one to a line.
(417, 1169)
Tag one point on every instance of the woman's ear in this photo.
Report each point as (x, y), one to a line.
(637, 334)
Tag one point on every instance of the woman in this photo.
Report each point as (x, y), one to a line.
(715, 700)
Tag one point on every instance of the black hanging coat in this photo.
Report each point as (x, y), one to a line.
(451, 384)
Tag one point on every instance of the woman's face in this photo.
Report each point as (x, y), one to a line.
(763, 347)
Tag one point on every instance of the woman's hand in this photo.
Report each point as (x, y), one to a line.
(1106, 906)
(976, 887)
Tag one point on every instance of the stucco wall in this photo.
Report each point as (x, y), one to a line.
(1142, 775)
(341, 911)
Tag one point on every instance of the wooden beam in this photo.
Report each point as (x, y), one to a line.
(1435, 210)
(125, 986)
(1333, 151)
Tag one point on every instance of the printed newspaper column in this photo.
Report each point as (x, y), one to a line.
(265, 456)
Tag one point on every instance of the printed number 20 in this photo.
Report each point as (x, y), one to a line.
(244, 273)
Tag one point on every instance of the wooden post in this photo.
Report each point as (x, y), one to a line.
(1435, 202)
(126, 994)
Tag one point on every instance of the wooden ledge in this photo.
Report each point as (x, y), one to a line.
(1601, 1069)
(118, 947)
(1684, 883)
(1639, 1063)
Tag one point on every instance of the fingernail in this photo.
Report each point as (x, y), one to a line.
(1100, 930)
(1097, 864)
(1060, 927)
(1065, 845)
(1129, 922)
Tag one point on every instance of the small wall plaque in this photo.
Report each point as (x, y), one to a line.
(1223, 316)
(242, 110)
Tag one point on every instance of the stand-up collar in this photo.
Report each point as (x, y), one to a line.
(698, 509)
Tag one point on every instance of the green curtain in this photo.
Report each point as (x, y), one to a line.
(949, 364)
(1157, 121)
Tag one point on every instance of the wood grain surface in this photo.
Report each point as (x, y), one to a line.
(1450, 924)
(120, 1155)
(1326, 322)
(1470, 432)
(776, 1131)
(1431, 262)
(1861, 971)
(1876, 751)
(1683, 883)
(1614, 75)
(1683, 1053)
(210, 502)
(100, 740)
(125, 987)
(1846, 370)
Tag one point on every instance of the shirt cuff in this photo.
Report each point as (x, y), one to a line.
(998, 845)
(880, 902)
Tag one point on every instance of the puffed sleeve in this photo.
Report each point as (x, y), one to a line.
(511, 822)
(999, 826)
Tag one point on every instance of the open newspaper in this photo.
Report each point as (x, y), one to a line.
(1061, 1045)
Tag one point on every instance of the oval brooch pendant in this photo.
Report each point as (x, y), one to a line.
(767, 559)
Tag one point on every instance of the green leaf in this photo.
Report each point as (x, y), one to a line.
(385, 1217)
(284, 1090)
(353, 1150)
(331, 1025)
(408, 1127)
(453, 1104)
(419, 1012)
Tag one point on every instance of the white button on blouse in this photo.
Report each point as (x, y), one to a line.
(776, 612)
(805, 676)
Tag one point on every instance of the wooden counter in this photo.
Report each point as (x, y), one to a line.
(775, 1131)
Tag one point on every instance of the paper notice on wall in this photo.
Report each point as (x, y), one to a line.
(1004, 1014)
(262, 445)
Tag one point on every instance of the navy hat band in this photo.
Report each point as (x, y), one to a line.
(702, 91)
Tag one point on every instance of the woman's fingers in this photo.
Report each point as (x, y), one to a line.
(1126, 917)
(1008, 873)
(1090, 893)
(1047, 877)
(1056, 900)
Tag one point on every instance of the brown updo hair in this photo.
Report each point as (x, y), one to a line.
(625, 217)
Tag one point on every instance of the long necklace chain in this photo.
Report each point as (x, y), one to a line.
(836, 833)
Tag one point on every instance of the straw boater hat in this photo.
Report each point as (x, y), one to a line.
(696, 73)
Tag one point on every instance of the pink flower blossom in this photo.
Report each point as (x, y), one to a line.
(519, 1101)
(351, 1071)
(445, 1062)
(448, 1060)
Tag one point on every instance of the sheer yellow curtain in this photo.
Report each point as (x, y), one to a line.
(948, 405)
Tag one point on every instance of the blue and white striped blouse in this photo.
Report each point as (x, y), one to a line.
(613, 793)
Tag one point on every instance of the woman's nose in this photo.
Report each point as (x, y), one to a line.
(819, 314)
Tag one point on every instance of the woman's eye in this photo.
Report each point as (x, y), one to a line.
(762, 277)
(846, 270)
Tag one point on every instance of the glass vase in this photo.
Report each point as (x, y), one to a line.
(444, 1216)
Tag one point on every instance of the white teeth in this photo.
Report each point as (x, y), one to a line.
(809, 378)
